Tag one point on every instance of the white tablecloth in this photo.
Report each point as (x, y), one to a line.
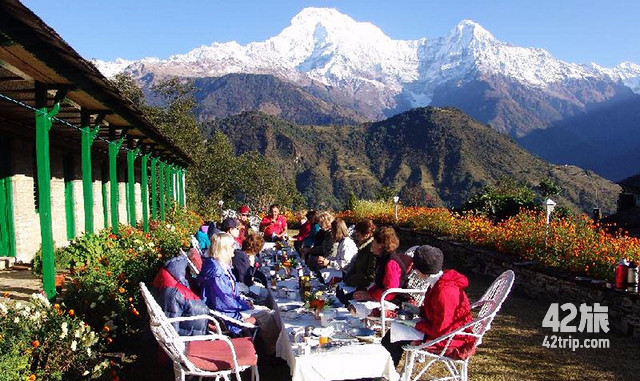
(341, 363)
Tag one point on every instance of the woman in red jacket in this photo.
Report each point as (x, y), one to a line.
(445, 308)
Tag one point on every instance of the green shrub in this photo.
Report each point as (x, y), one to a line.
(43, 341)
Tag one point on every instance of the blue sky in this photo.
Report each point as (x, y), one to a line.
(581, 31)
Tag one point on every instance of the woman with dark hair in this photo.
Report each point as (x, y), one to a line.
(306, 231)
(360, 274)
(390, 271)
(246, 263)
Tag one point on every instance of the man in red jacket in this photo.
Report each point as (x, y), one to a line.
(274, 225)
(445, 308)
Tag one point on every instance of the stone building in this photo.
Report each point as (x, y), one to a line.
(99, 162)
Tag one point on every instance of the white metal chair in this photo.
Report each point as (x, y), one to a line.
(489, 305)
(416, 288)
(196, 245)
(213, 355)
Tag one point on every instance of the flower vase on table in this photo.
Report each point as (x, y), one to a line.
(317, 303)
(287, 268)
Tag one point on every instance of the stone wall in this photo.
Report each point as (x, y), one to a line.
(538, 283)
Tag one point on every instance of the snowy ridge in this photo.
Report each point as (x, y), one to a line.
(627, 72)
(324, 45)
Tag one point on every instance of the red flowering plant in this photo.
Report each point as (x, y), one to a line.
(573, 245)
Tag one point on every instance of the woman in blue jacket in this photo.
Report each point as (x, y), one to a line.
(219, 289)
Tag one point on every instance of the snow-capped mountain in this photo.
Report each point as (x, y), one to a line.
(378, 76)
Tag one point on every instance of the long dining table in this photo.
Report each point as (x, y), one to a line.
(345, 357)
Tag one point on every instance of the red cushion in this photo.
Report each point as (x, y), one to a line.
(216, 355)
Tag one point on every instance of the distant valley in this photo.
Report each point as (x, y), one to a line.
(434, 156)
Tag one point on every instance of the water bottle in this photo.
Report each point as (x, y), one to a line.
(632, 277)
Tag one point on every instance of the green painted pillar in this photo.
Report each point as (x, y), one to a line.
(43, 126)
(161, 186)
(144, 192)
(88, 136)
(131, 189)
(7, 228)
(167, 194)
(114, 148)
(154, 188)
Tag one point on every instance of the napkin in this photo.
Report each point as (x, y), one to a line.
(403, 332)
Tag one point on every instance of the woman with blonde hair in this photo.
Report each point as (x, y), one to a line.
(323, 242)
(219, 288)
(346, 250)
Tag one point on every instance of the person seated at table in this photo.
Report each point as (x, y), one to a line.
(212, 229)
(274, 225)
(243, 223)
(203, 238)
(361, 274)
(307, 242)
(232, 226)
(219, 288)
(390, 271)
(345, 252)
(306, 223)
(323, 241)
(246, 264)
(177, 300)
(445, 309)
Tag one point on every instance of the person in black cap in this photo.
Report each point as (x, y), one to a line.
(232, 226)
(445, 307)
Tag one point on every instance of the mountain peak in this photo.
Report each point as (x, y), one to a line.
(333, 23)
(468, 30)
(314, 14)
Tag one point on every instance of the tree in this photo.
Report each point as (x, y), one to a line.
(351, 201)
(217, 174)
(386, 193)
(130, 89)
(416, 195)
(502, 200)
(260, 184)
(548, 188)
